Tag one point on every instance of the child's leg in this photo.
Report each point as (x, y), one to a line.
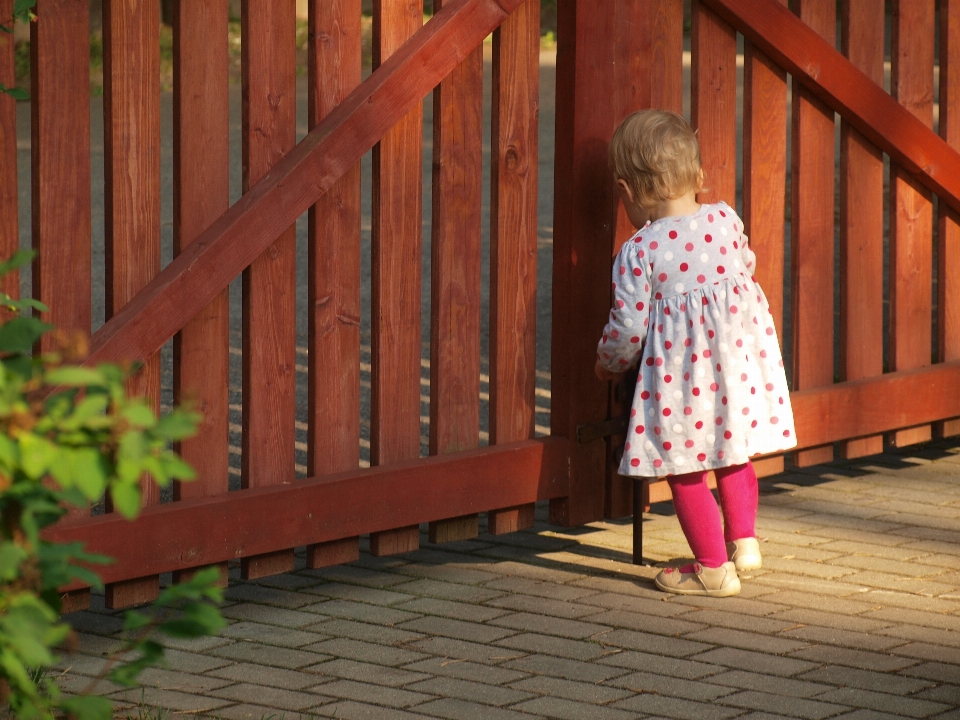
(738, 499)
(699, 518)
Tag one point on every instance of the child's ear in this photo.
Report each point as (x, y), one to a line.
(700, 180)
(625, 191)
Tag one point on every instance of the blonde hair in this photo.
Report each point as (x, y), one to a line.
(656, 153)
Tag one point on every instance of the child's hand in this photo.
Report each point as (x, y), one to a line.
(602, 373)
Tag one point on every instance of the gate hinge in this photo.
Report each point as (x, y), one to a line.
(604, 428)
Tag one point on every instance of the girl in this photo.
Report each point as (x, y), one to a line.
(711, 390)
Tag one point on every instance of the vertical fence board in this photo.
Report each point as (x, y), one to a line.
(201, 193)
(455, 266)
(513, 240)
(396, 284)
(649, 35)
(911, 205)
(861, 220)
(584, 208)
(764, 182)
(812, 229)
(333, 295)
(713, 100)
(948, 251)
(9, 228)
(131, 122)
(269, 284)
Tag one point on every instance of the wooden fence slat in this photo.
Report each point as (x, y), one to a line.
(765, 170)
(649, 35)
(269, 284)
(9, 215)
(585, 201)
(911, 205)
(513, 240)
(455, 266)
(811, 229)
(60, 175)
(396, 284)
(333, 294)
(948, 250)
(131, 124)
(201, 193)
(215, 529)
(861, 220)
(713, 100)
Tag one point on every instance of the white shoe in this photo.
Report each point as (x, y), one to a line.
(745, 554)
(712, 582)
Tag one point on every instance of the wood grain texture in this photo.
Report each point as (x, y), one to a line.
(584, 216)
(131, 122)
(333, 290)
(861, 220)
(396, 266)
(815, 63)
(269, 283)
(455, 269)
(513, 237)
(294, 184)
(764, 177)
(911, 205)
(201, 193)
(812, 229)
(333, 552)
(60, 159)
(215, 529)
(948, 220)
(713, 102)
(9, 228)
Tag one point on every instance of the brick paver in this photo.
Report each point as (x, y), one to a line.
(856, 615)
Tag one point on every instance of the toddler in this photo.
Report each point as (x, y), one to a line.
(711, 390)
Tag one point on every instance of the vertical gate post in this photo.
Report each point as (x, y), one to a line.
(605, 69)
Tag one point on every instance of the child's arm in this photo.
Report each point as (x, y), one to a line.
(749, 257)
(622, 342)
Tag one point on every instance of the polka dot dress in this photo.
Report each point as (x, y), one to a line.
(711, 390)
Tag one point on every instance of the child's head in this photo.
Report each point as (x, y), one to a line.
(656, 154)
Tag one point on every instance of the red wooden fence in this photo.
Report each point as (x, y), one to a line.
(610, 62)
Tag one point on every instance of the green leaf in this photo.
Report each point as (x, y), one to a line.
(88, 707)
(19, 334)
(126, 499)
(133, 620)
(90, 471)
(11, 556)
(138, 414)
(15, 92)
(174, 466)
(17, 260)
(22, 6)
(36, 454)
(177, 425)
(75, 376)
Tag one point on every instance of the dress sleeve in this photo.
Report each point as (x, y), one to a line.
(749, 257)
(622, 343)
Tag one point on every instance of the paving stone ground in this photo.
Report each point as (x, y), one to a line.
(855, 615)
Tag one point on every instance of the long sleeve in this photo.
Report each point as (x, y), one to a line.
(622, 341)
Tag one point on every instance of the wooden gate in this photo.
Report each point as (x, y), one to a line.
(613, 57)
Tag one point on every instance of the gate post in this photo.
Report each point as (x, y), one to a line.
(610, 62)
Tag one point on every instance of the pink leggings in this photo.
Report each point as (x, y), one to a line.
(698, 516)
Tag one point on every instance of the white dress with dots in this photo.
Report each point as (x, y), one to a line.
(711, 390)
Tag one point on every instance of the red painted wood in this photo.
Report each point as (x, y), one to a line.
(215, 529)
(131, 122)
(861, 220)
(9, 228)
(584, 212)
(814, 62)
(911, 205)
(513, 239)
(764, 177)
(336, 144)
(455, 268)
(396, 283)
(333, 291)
(269, 284)
(811, 230)
(201, 193)
(713, 99)
(60, 149)
(948, 235)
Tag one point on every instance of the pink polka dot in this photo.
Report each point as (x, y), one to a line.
(638, 272)
(667, 445)
(635, 339)
(714, 386)
(686, 375)
(640, 253)
(659, 361)
(774, 420)
(746, 411)
(666, 311)
(654, 245)
(635, 462)
(786, 433)
(733, 309)
(701, 278)
(667, 344)
(720, 454)
(613, 285)
(638, 239)
(666, 412)
(769, 331)
(640, 306)
(639, 429)
(656, 430)
(687, 342)
(688, 410)
(718, 367)
(624, 362)
(620, 303)
(658, 296)
(649, 361)
(701, 457)
(661, 277)
(699, 424)
(708, 237)
(707, 353)
(693, 357)
(645, 395)
(614, 334)
(633, 412)
(658, 463)
(626, 447)
(724, 400)
(623, 270)
(688, 247)
(753, 424)
(739, 343)
(719, 420)
(696, 392)
(720, 269)
(727, 434)
(769, 387)
(689, 443)
(763, 353)
(722, 213)
(657, 396)
(743, 377)
(710, 334)
(735, 245)
(673, 234)
(723, 249)
(667, 378)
